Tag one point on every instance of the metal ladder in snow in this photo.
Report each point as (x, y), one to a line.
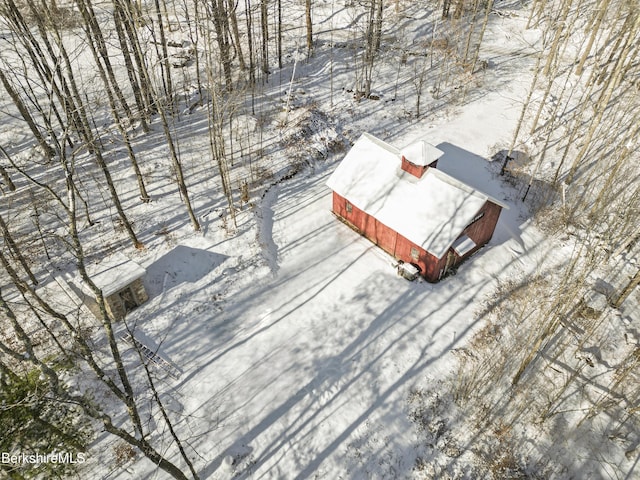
(152, 356)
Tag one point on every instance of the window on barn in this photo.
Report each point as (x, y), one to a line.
(349, 207)
(415, 254)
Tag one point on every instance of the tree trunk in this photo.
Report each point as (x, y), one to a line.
(5, 175)
(90, 140)
(178, 170)
(605, 97)
(99, 49)
(249, 19)
(264, 23)
(595, 29)
(164, 58)
(279, 32)
(13, 248)
(559, 25)
(446, 6)
(216, 121)
(233, 20)
(88, 15)
(626, 291)
(129, 20)
(484, 27)
(307, 15)
(118, 21)
(522, 115)
(158, 401)
(221, 26)
(47, 74)
(47, 150)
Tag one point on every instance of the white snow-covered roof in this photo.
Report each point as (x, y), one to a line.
(421, 153)
(431, 211)
(114, 273)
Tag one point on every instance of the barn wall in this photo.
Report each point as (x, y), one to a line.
(365, 224)
(436, 268)
(429, 264)
(387, 239)
(400, 247)
(358, 219)
(338, 205)
(482, 230)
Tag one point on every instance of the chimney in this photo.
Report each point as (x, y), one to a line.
(418, 157)
(412, 168)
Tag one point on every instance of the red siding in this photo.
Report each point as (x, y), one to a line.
(389, 240)
(360, 220)
(400, 247)
(415, 170)
(482, 230)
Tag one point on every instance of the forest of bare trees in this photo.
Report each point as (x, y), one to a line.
(83, 77)
(552, 353)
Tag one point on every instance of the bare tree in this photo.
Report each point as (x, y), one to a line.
(221, 24)
(128, 17)
(264, 29)
(15, 97)
(523, 113)
(488, 8)
(98, 49)
(250, 46)
(69, 339)
(309, 23)
(216, 131)
(6, 178)
(599, 13)
(233, 20)
(15, 251)
(372, 38)
(164, 57)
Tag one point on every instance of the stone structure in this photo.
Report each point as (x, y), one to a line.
(121, 282)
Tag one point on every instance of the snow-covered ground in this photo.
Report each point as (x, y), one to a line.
(295, 348)
(299, 365)
(306, 368)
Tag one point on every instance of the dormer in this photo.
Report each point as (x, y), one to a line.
(418, 157)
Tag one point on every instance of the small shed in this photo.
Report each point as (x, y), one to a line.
(399, 200)
(121, 282)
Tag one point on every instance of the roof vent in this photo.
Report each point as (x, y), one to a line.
(419, 156)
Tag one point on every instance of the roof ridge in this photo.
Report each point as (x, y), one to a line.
(380, 143)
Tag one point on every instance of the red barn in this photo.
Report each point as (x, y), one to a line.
(399, 200)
